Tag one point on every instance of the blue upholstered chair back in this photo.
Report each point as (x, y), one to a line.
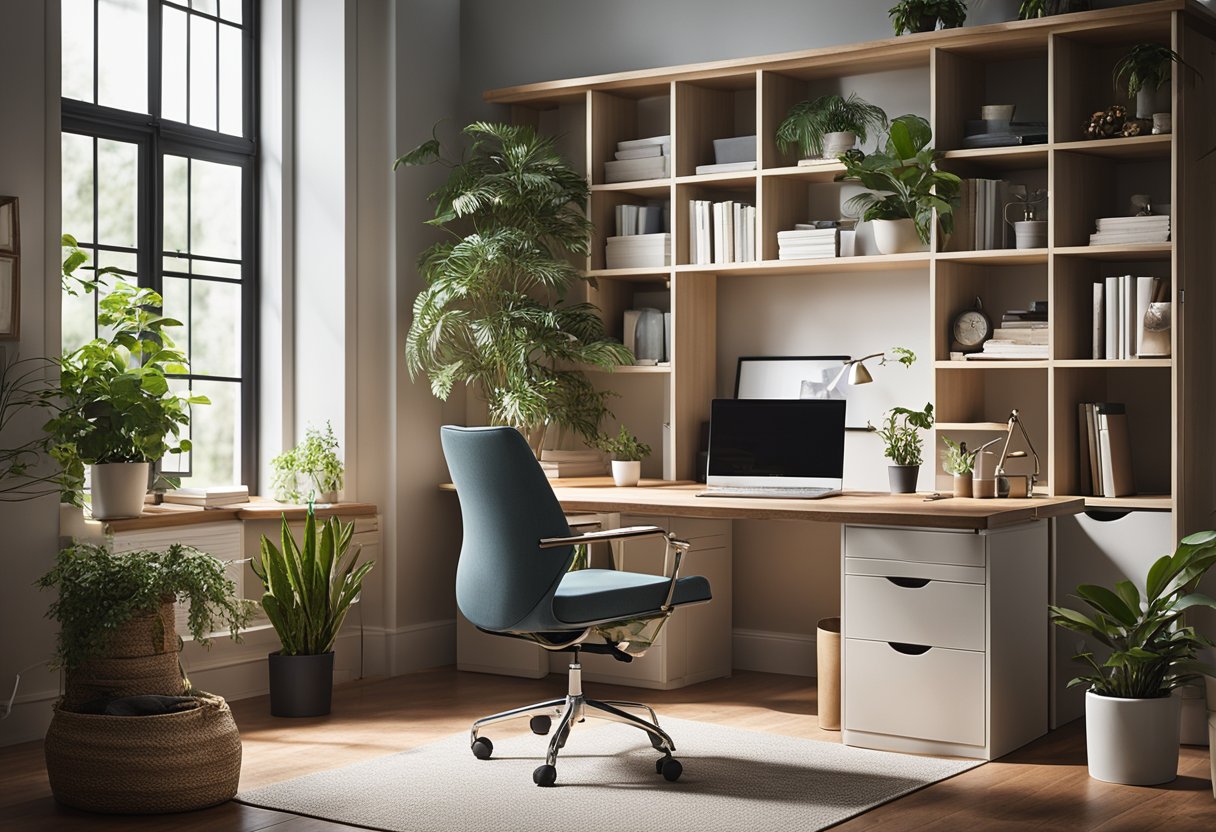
(504, 581)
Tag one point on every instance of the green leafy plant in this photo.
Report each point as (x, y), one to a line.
(1030, 9)
(957, 459)
(100, 591)
(624, 447)
(809, 121)
(1145, 66)
(495, 311)
(315, 458)
(309, 587)
(903, 355)
(1152, 650)
(900, 432)
(923, 15)
(904, 180)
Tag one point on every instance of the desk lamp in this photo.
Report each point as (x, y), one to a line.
(1018, 485)
(857, 372)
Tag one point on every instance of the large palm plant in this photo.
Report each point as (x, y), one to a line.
(494, 312)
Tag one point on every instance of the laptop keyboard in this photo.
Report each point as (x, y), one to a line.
(789, 493)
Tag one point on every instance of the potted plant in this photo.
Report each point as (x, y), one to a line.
(924, 15)
(494, 312)
(1131, 717)
(900, 432)
(830, 125)
(316, 459)
(627, 454)
(309, 588)
(114, 409)
(959, 463)
(1145, 69)
(906, 188)
(1030, 9)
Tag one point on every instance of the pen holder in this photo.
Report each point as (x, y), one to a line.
(983, 478)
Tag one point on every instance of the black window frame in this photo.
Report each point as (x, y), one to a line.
(155, 138)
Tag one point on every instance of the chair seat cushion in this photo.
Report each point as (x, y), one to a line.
(599, 594)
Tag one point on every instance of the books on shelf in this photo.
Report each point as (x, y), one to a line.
(209, 497)
(979, 221)
(1013, 134)
(653, 218)
(1105, 450)
(562, 464)
(1154, 228)
(726, 167)
(638, 251)
(721, 232)
(1022, 335)
(807, 241)
(1119, 306)
(638, 159)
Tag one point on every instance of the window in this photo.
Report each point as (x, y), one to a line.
(158, 179)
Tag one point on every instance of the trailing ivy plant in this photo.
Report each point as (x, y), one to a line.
(100, 591)
(901, 430)
(315, 458)
(495, 312)
(809, 121)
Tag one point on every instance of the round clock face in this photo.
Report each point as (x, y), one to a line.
(971, 329)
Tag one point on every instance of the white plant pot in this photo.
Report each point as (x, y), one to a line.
(626, 474)
(1132, 741)
(897, 237)
(837, 144)
(118, 489)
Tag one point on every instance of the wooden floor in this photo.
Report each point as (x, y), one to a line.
(1042, 786)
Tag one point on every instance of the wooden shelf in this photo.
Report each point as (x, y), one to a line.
(636, 275)
(826, 172)
(996, 257)
(1116, 254)
(1155, 502)
(989, 364)
(1133, 147)
(1135, 363)
(641, 187)
(631, 370)
(962, 427)
(1020, 157)
(870, 263)
(728, 179)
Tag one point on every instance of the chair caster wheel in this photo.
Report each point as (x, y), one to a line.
(545, 775)
(482, 748)
(670, 768)
(540, 725)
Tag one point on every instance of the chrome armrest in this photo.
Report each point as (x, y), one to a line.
(681, 546)
(606, 534)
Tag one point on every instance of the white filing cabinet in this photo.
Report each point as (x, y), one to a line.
(945, 639)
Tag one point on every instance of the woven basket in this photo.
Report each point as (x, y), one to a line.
(144, 764)
(145, 635)
(109, 678)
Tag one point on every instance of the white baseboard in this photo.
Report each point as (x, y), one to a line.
(770, 652)
(420, 646)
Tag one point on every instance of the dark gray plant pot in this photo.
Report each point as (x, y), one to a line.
(301, 685)
(903, 478)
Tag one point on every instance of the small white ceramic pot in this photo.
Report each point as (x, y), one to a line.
(626, 473)
(837, 144)
(1030, 234)
(897, 237)
(1132, 741)
(962, 485)
(118, 489)
(1163, 123)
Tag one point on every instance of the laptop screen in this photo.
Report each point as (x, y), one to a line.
(777, 441)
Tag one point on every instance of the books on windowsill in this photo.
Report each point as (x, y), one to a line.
(1105, 450)
(213, 497)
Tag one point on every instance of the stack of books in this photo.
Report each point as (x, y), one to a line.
(979, 134)
(213, 497)
(1106, 454)
(1022, 336)
(1120, 304)
(1154, 228)
(640, 159)
(653, 218)
(979, 220)
(564, 464)
(721, 232)
(809, 241)
(737, 153)
(638, 251)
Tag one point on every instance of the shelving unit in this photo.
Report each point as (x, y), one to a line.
(1055, 69)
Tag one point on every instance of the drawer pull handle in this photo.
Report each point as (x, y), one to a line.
(909, 649)
(909, 583)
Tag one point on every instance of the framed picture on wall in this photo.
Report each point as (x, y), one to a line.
(809, 377)
(10, 231)
(10, 298)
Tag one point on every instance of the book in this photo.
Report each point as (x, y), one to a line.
(1111, 316)
(564, 470)
(1114, 448)
(632, 170)
(633, 144)
(644, 152)
(726, 167)
(588, 455)
(1144, 296)
(208, 497)
(1099, 319)
(1095, 469)
(1084, 474)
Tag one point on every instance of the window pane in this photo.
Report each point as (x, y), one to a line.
(215, 209)
(202, 72)
(175, 292)
(176, 226)
(173, 64)
(204, 6)
(77, 161)
(77, 60)
(211, 268)
(117, 193)
(122, 54)
(231, 10)
(231, 71)
(216, 430)
(215, 314)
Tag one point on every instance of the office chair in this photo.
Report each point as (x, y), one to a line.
(514, 580)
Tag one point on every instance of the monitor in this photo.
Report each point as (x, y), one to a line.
(777, 442)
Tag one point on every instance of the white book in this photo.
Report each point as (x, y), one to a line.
(633, 144)
(1099, 319)
(645, 152)
(1128, 312)
(208, 497)
(1112, 317)
(726, 167)
(719, 237)
(706, 234)
(693, 249)
(1144, 294)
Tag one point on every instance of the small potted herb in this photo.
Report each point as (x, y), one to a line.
(829, 126)
(627, 454)
(959, 463)
(316, 460)
(923, 15)
(901, 433)
(1145, 69)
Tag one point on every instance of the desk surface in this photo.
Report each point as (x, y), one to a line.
(597, 494)
(168, 515)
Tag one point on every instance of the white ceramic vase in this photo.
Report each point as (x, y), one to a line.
(1030, 233)
(897, 237)
(1132, 741)
(118, 489)
(626, 473)
(837, 144)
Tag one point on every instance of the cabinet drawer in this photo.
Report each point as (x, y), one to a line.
(959, 548)
(915, 611)
(936, 695)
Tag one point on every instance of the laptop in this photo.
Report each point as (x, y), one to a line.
(791, 448)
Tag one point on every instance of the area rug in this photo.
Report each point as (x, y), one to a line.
(733, 780)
